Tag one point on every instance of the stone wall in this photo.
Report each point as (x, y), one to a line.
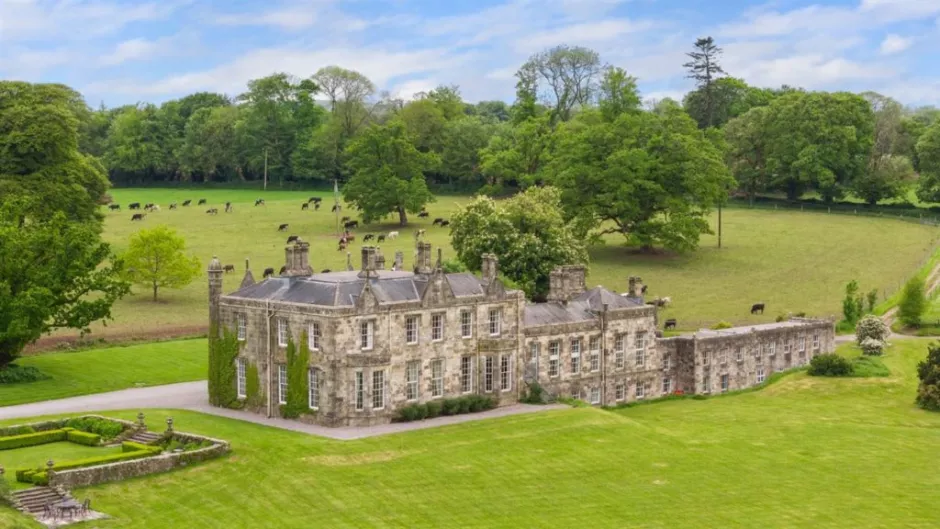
(85, 477)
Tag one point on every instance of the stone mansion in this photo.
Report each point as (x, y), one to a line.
(380, 338)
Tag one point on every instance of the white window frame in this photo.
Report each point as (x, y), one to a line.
(466, 374)
(282, 383)
(787, 346)
(466, 324)
(437, 378)
(554, 360)
(704, 358)
(620, 392)
(282, 332)
(620, 352)
(241, 322)
(595, 395)
(367, 335)
(411, 329)
(707, 384)
(496, 321)
(505, 372)
(535, 349)
(816, 341)
(313, 336)
(413, 380)
(488, 367)
(771, 348)
(313, 385)
(594, 345)
(801, 344)
(667, 385)
(378, 389)
(725, 383)
(760, 375)
(640, 391)
(241, 378)
(437, 327)
(739, 354)
(640, 347)
(575, 345)
(360, 392)
(667, 361)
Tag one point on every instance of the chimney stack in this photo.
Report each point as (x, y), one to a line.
(423, 262)
(489, 268)
(566, 282)
(379, 259)
(368, 261)
(399, 260)
(635, 287)
(297, 259)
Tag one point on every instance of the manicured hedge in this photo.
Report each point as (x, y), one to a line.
(455, 406)
(39, 477)
(107, 429)
(83, 438)
(32, 439)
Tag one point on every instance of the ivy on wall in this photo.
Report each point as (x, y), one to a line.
(253, 387)
(298, 388)
(222, 353)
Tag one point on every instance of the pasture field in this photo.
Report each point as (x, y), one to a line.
(802, 452)
(109, 369)
(791, 260)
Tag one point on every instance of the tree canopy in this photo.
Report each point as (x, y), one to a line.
(527, 233)
(156, 259)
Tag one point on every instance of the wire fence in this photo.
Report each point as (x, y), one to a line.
(920, 216)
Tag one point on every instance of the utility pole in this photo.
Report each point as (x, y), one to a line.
(719, 224)
(266, 170)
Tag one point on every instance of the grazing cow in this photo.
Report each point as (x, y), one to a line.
(202, 202)
(336, 208)
(341, 246)
(344, 219)
(305, 206)
(381, 238)
(419, 233)
(229, 208)
(229, 268)
(134, 205)
(292, 238)
(315, 200)
(283, 270)
(316, 206)
(212, 211)
(155, 208)
(148, 207)
(351, 224)
(368, 237)
(187, 202)
(173, 205)
(392, 235)
(437, 221)
(670, 324)
(113, 207)
(259, 202)
(325, 271)
(138, 216)
(757, 307)
(424, 214)
(445, 223)
(283, 227)
(643, 290)
(268, 272)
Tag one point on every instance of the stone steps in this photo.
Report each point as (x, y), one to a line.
(145, 437)
(34, 500)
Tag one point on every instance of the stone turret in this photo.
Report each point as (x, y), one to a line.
(566, 282)
(297, 259)
(215, 290)
(249, 279)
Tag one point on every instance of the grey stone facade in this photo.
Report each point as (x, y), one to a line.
(380, 339)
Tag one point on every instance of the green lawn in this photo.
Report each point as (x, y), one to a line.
(803, 452)
(109, 369)
(37, 456)
(792, 261)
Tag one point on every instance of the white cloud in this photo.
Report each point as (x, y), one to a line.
(407, 90)
(128, 50)
(379, 65)
(585, 33)
(895, 44)
(25, 63)
(23, 20)
(813, 71)
(294, 18)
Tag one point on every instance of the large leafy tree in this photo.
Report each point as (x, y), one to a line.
(723, 100)
(704, 69)
(928, 154)
(527, 233)
(387, 173)
(818, 141)
(564, 77)
(652, 178)
(211, 144)
(928, 371)
(462, 141)
(54, 270)
(747, 150)
(156, 258)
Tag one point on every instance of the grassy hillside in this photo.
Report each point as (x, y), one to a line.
(804, 452)
(788, 259)
(109, 369)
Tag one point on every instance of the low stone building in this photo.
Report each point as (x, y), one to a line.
(379, 339)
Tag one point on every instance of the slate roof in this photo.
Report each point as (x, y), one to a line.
(746, 329)
(579, 309)
(597, 296)
(342, 289)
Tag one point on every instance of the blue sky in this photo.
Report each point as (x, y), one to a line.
(124, 51)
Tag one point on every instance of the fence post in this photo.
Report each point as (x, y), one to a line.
(828, 210)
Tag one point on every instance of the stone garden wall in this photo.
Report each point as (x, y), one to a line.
(84, 477)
